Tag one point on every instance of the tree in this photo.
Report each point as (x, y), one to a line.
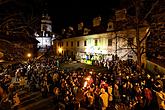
(143, 12)
(18, 19)
(139, 47)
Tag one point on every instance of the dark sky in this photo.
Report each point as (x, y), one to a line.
(63, 13)
(66, 13)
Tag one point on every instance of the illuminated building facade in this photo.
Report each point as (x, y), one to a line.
(45, 36)
(99, 46)
(117, 40)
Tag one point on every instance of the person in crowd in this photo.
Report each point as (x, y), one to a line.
(56, 94)
(130, 87)
(17, 74)
(22, 82)
(11, 92)
(160, 98)
(104, 97)
(110, 98)
(117, 96)
(16, 100)
(147, 98)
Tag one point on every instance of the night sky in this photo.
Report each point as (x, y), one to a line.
(70, 13)
(63, 13)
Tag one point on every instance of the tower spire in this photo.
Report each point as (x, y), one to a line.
(46, 23)
(45, 9)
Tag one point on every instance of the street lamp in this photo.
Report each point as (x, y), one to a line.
(29, 55)
(60, 50)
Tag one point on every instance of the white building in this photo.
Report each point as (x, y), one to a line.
(99, 46)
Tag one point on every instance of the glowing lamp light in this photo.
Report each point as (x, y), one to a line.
(29, 55)
(60, 50)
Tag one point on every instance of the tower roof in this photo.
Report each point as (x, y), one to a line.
(45, 9)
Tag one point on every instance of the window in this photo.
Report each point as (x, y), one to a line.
(66, 43)
(72, 44)
(61, 43)
(77, 43)
(130, 41)
(85, 43)
(109, 42)
(96, 42)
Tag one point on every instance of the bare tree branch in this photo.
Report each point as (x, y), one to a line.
(146, 35)
(124, 55)
(6, 41)
(134, 50)
(149, 12)
(2, 2)
(142, 51)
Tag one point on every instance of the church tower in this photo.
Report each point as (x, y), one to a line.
(46, 23)
(45, 36)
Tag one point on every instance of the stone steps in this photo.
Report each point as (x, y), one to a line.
(31, 99)
(39, 104)
(28, 96)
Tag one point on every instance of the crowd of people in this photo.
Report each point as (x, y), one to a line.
(122, 85)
